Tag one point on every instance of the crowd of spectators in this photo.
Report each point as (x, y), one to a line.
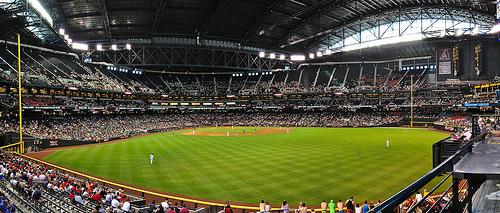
(455, 121)
(418, 203)
(423, 202)
(101, 127)
(41, 184)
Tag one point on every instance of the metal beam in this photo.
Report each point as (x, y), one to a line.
(158, 14)
(213, 16)
(105, 18)
(311, 9)
(261, 18)
(85, 14)
(154, 56)
(390, 12)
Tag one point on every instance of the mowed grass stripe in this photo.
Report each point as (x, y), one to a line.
(308, 164)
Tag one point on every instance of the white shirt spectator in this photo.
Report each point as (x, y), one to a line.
(79, 200)
(467, 135)
(115, 203)
(109, 197)
(418, 196)
(42, 178)
(13, 182)
(36, 179)
(126, 206)
(165, 205)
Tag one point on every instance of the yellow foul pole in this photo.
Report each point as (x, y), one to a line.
(21, 142)
(411, 101)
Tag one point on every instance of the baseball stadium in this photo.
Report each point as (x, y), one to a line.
(249, 106)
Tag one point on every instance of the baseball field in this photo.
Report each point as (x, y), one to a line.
(247, 164)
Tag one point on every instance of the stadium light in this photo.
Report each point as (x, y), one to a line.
(38, 7)
(282, 57)
(114, 47)
(297, 57)
(61, 31)
(311, 55)
(319, 54)
(272, 55)
(128, 46)
(80, 46)
(443, 33)
(328, 52)
(98, 47)
(70, 41)
(475, 31)
(385, 41)
(495, 29)
(262, 54)
(66, 37)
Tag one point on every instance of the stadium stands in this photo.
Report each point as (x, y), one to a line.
(230, 63)
(38, 188)
(70, 100)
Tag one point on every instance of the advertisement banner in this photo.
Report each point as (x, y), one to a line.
(444, 67)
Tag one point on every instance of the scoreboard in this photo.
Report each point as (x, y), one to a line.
(455, 60)
(477, 58)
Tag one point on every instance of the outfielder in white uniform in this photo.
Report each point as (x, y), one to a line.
(151, 157)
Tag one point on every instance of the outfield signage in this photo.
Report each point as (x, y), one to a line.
(46, 143)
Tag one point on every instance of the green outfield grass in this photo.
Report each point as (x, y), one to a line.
(308, 164)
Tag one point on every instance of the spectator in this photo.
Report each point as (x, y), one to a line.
(284, 207)
(331, 206)
(302, 208)
(365, 207)
(262, 206)
(165, 205)
(323, 206)
(340, 206)
(228, 209)
(350, 205)
(184, 209)
(267, 208)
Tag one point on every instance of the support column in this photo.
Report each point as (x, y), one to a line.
(215, 85)
(286, 79)
(300, 77)
(345, 76)
(230, 81)
(360, 73)
(257, 84)
(331, 77)
(271, 82)
(316, 78)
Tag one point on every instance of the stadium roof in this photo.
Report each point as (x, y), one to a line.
(272, 24)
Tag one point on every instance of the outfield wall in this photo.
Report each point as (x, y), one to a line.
(56, 143)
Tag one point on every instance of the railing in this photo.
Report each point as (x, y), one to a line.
(446, 166)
